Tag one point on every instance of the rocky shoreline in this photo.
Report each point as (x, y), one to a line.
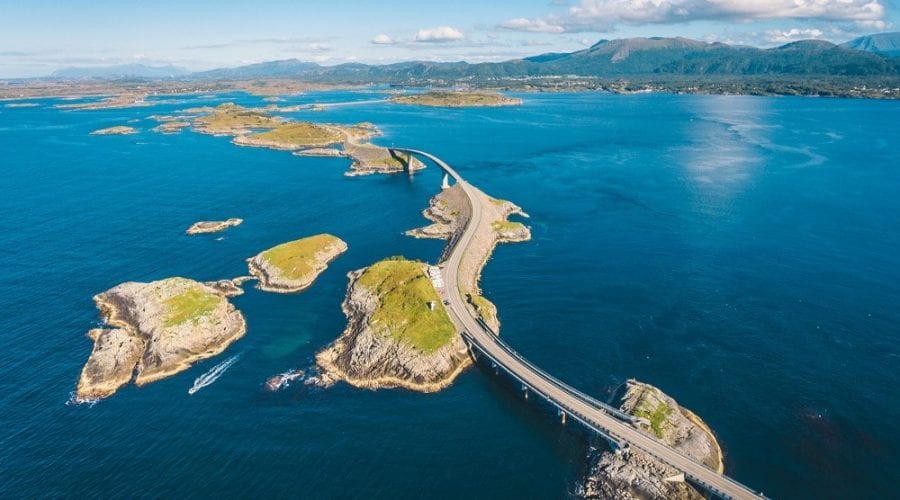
(294, 266)
(159, 329)
(213, 226)
(369, 355)
(634, 475)
(117, 130)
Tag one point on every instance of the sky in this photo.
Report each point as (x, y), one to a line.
(39, 36)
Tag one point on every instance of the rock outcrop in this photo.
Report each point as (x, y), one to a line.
(370, 159)
(633, 475)
(119, 130)
(398, 333)
(159, 329)
(213, 226)
(228, 288)
(293, 266)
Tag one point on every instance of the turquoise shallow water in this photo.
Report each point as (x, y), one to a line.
(738, 252)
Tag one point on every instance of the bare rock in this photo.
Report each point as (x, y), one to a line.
(370, 159)
(228, 288)
(632, 474)
(118, 130)
(161, 328)
(213, 226)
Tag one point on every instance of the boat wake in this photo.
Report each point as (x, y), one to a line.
(213, 374)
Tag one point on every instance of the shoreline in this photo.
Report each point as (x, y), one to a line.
(264, 278)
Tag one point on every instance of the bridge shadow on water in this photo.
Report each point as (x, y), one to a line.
(571, 440)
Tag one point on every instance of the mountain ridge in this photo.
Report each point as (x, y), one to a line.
(887, 44)
(606, 58)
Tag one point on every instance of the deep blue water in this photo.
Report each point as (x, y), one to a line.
(741, 253)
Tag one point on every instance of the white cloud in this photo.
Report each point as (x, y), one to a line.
(441, 34)
(322, 47)
(793, 34)
(604, 15)
(382, 39)
(873, 24)
(532, 25)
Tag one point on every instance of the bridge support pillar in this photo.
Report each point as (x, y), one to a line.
(445, 182)
(525, 390)
(562, 416)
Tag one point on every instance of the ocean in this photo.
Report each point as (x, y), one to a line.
(740, 253)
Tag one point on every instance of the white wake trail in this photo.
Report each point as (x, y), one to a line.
(213, 374)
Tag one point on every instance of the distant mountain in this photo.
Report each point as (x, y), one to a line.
(887, 44)
(122, 71)
(606, 58)
(283, 68)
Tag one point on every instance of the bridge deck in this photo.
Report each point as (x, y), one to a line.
(595, 415)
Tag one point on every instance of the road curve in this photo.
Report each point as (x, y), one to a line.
(567, 399)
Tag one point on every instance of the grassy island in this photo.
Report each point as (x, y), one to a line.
(293, 266)
(228, 118)
(404, 293)
(457, 99)
(296, 259)
(299, 134)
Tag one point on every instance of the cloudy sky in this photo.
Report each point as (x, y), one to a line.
(39, 36)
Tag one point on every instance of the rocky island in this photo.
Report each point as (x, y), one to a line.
(213, 226)
(398, 333)
(449, 212)
(293, 266)
(169, 124)
(157, 330)
(457, 99)
(633, 475)
(118, 130)
(256, 127)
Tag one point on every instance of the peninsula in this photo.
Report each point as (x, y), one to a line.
(293, 266)
(124, 100)
(634, 475)
(213, 226)
(118, 130)
(457, 99)
(398, 333)
(157, 330)
(449, 212)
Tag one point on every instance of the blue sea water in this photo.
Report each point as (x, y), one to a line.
(741, 253)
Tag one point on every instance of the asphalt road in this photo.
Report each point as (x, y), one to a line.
(558, 393)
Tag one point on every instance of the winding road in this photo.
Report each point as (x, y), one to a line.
(606, 421)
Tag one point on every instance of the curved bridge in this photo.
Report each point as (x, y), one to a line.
(606, 421)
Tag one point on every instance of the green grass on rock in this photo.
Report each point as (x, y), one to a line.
(404, 291)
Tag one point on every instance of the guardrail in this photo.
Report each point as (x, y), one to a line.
(555, 381)
(584, 398)
(606, 433)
